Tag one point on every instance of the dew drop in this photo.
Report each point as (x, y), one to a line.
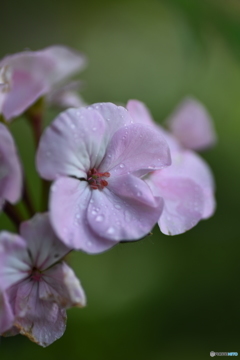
(94, 212)
(121, 166)
(91, 201)
(78, 216)
(94, 128)
(99, 218)
(110, 230)
(117, 206)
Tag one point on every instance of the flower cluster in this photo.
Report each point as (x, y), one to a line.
(114, 172)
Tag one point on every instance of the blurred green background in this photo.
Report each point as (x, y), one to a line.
(163, 297)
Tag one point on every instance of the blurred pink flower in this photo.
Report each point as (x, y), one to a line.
(97, 155)
(36, 286)
(187, 186)
(26, 76)
(192, 125)
(10, 168)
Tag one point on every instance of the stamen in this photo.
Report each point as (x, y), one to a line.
(94, 178)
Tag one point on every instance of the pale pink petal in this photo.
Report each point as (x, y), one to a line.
(44, 247)
(61, 285)
(14, 260)
(72, 144)
(25, 90)
(30, 74)
(187, 164)
(183, 203)
(6, 314)
(69, 201)
(66, 96)
(125, 210)
(192, 125)
(66, 62)
(135, 147)
(141, 114)
(41, 321)
(10, 168)
(114, 116)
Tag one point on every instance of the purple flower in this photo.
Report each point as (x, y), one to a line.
(36, 286)
(10, 168)
(26, 76)
(191, 124)
(187, 186)
(97, 156)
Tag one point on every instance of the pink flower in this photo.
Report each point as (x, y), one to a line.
(187, 186)
(10, 168)
(36, 286)
(26, 76)
(97, 156)
(191, 124)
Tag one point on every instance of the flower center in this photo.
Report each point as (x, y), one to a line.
(36, 275)
(95, 179)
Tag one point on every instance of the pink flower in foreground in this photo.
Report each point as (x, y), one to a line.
(10, 168)
(97, 155)
(26, 76)
(191, 124)
(36, 286)
(187, 186)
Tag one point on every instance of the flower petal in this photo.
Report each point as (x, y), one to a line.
(25, 90)
(141, 114)
(187, 164)
(125, 210)
(6, 314)
(41, 321)
(183, 203)
(61, 285)
(69, 201)
(14, 260)
(10, 168)
(72, 144)
(192, 125)
(133, 148)
(43, 245)
(34, 73)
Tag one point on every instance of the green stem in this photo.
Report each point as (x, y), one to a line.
(13, 214)
(27, 199)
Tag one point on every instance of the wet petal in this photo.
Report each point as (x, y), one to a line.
(192, 125)
(69, 201)
(125, 210)
(72, 144)
(10, 168)
(187, 164)
(183, 204)
(133, 148)
(14, 261)
(61, 285)
(6, 314)
(43, 245)
(41, 321)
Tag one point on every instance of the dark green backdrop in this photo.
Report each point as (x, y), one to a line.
(163, 297)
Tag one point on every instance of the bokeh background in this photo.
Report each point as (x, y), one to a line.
(163, 297)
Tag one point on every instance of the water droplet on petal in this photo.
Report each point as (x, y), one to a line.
(94, 212)
(117, 206)
(110, 230)
(121, 166)
(94, 128)
(91, 201)
(89, 243)
(99, 218)
(78, 216)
